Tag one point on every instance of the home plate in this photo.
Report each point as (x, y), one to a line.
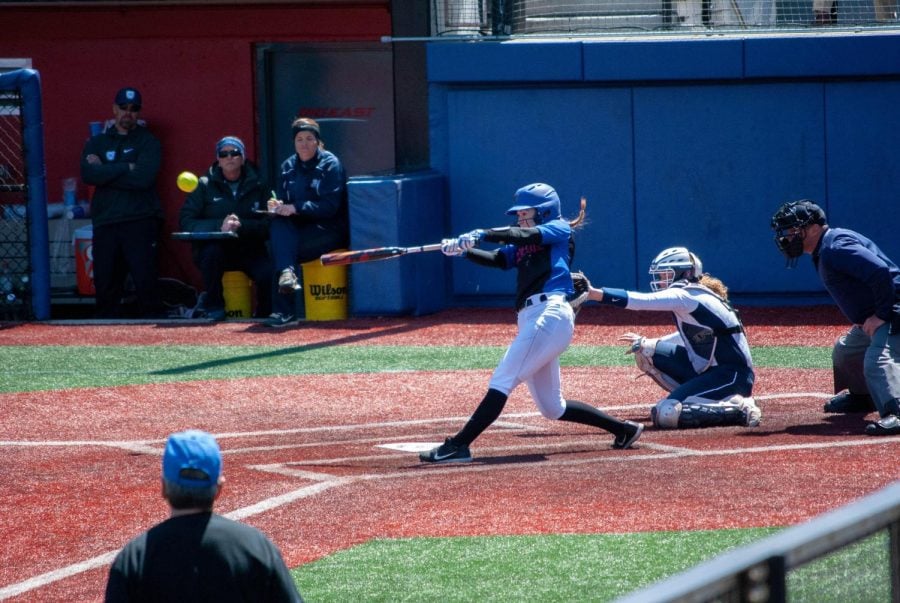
(410, 446)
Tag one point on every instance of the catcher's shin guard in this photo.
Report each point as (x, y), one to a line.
(699, 412)
(666, 414)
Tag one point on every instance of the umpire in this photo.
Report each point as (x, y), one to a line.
(865, 284)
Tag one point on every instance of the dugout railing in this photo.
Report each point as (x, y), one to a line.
(760, 572)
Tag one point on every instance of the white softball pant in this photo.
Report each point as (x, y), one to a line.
(546, 327)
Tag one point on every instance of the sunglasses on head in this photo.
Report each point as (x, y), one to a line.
(234, 153)
(132, 108)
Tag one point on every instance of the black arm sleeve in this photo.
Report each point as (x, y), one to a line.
(492, 259)
(514, 235)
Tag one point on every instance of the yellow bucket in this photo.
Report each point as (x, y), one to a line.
(237, 290)
(325, 291)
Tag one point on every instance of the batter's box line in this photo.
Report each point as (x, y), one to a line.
(662, 451)
(578, 446)
(793, 395)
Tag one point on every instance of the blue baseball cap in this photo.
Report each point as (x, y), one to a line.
(128, 96)
(192, 459)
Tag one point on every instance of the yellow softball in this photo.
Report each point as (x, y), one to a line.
(187, 181)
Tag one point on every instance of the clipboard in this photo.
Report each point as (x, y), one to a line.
(204, 236)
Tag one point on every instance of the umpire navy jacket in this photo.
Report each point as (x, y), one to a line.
(860, 278)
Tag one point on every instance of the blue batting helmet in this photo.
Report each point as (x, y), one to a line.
(542, 198)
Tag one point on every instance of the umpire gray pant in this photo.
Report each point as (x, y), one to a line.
(868, 365)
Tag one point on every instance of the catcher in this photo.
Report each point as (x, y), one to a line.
(705, 366)
(540, 247)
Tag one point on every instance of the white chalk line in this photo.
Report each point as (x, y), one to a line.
(324, 481)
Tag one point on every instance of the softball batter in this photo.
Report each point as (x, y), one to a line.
(540, 247)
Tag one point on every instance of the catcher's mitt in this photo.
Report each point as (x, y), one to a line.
(582, 288)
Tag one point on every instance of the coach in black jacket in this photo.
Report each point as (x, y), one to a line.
(122, 164)
(228, 199)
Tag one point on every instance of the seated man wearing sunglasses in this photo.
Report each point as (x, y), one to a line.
(230, 198)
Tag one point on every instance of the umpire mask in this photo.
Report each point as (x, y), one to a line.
(790, 244)
(789, 224)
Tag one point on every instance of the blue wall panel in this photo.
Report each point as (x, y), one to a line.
(576, 139)
(663, 60)
(864, 160)
(673, 142)
(822, 56)
(504, 62)
(712, 165)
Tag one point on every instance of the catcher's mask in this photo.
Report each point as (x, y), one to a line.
(542, 197)
(674, 264)
(789, 224)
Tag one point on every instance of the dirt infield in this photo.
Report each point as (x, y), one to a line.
(321, 463)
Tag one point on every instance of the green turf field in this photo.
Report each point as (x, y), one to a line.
(595, 567)
(31, 368)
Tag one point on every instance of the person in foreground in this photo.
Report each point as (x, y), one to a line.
(309, 213)
(705, 366)
(865, 285)
(228, 199)
(540, 247)
(198, 555)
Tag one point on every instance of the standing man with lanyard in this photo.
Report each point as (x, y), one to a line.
(122, 163)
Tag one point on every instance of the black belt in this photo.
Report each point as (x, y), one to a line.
(530, 301)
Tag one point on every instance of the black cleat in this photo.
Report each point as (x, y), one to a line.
(279, 320)
(448, 452)
(631, 434)
(846, 402)
(889, 425)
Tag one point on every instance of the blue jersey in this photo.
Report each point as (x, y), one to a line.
(542, 255)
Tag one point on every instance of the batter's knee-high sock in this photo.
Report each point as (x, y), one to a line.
(486, 413)
(579, 412)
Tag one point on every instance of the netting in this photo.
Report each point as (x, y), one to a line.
(583, 17)
(15, 286)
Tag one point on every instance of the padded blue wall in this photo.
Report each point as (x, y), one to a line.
(404, 210)
(692, 142)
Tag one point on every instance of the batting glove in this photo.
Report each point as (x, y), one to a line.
(470, 239)
(451, 248)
